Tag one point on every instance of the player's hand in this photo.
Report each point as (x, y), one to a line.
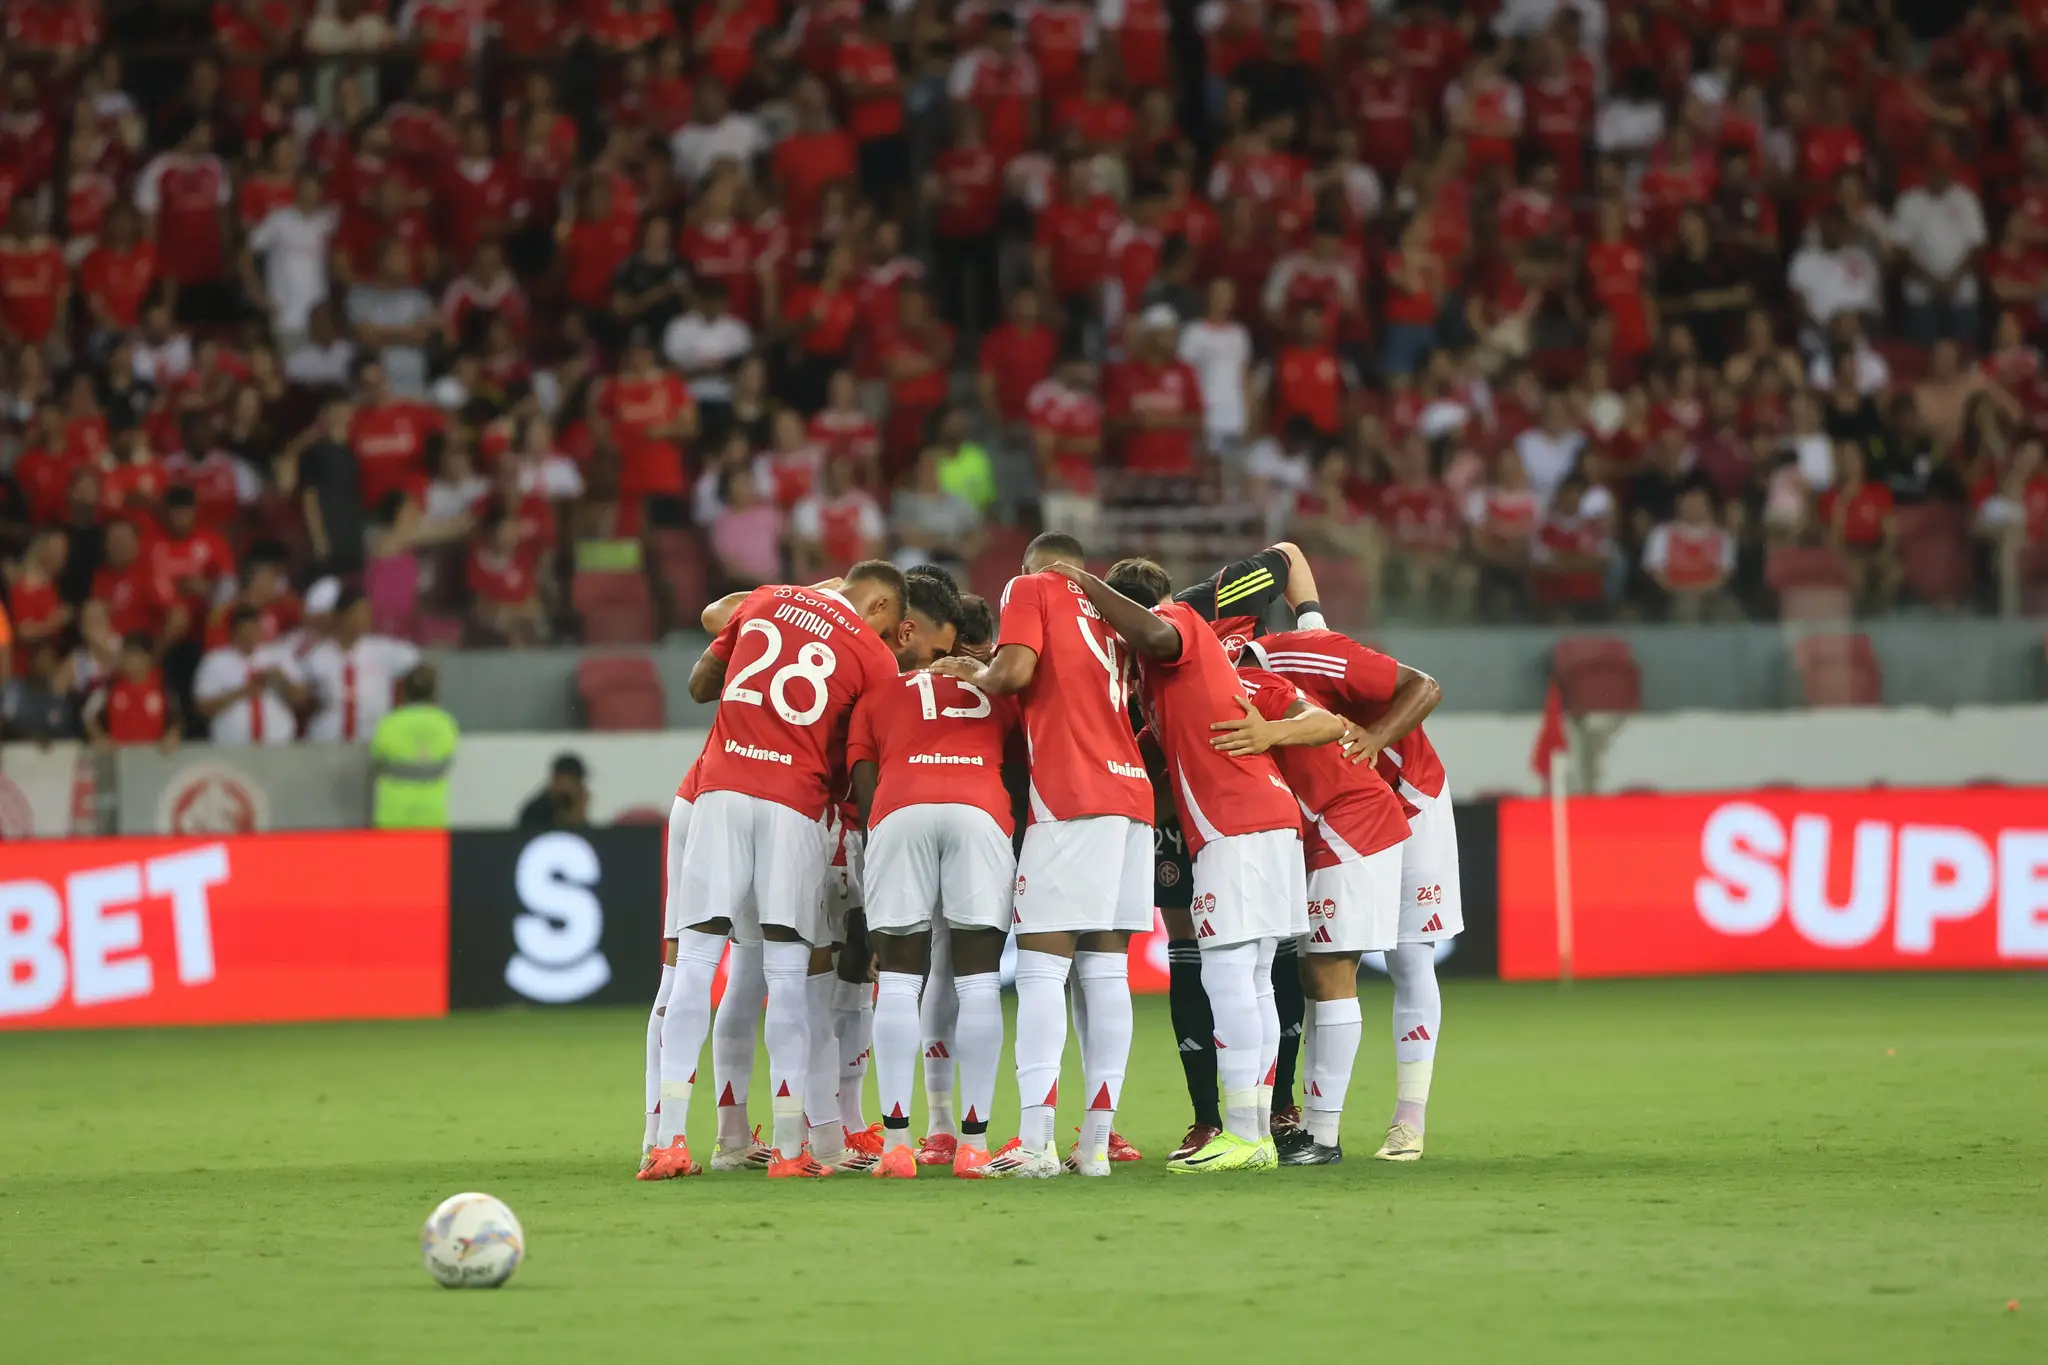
(1065, 570)
(1359, 744)
(954, 666)
(1250, 733)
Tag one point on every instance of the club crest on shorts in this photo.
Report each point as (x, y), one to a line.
(1169, 874)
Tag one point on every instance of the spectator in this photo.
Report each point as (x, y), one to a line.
(1856, 516)
(183, 192)
(503, 585)
(323, 357)
(1549, 451)
(746, 533)
(819, 319)
(1502, 516)
(1831, 276)
(1219, 349)
(1415, 287)
(1702, 289)
(1066, 421)
(1154, 406)
(933, 526)
(331, 493)
(564, 802)
(294, 242)
(132, 707)
(1016, 356)
(965, 469)
(38, 285)
(1573, 550)
(246, 690)
(1943, 398)
(652, 289)
(1938, 230)
(717, 134)
(36, 606)
(917, 361)
(706, 344)
(1423, 538)
(393, 320)
(1280, 470)
(1690, 560)
(839, 524)
(35, 705)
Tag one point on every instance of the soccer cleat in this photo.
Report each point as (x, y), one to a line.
(868, 1141)
(938, 1149)
(1121, 1151)
(1291, 1140)
(850, 1159)
(1285, 1120)
(1404, 1143)
(670, 1162)
(802, 1166)
(1014, 1161)
(1199, 1136)
(1224, 1152)
(1077, 1164)
(1312, 1153)
(898, 1163)
(968, 1161)
(1268, 1157)
(752, 1157)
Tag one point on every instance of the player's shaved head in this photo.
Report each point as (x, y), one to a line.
(1053, 547)
(1141, 580)
(875, 588)
(931, 601)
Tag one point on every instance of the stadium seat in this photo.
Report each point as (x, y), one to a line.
(1811, 582)
(615, 606)
(1839, 670)
(621, 692)
(1597, 673)
(997, 563)
(1934, 554)
(679, 565)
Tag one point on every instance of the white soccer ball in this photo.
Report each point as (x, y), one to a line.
(472, 1241)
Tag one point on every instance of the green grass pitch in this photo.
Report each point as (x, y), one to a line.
(1788, 1169)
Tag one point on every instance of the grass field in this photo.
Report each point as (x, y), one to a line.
(1790, 1169)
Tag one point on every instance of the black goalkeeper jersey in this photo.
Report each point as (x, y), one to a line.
(1239, 597)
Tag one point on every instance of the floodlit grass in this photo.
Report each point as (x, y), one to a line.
(1795, 1169)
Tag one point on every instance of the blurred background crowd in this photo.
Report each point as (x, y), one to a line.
(333, 328)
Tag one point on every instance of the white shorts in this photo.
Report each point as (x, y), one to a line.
(1250, 886)
(678, 840)
(929, 861)
(842, 888)
(754, 861)
(1432, 906)
(1085, 876)
(1355, 907)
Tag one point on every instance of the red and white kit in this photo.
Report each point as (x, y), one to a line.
(672, 921)
(796, 661)
(1086, 864)
(1352, 832)
(939, 831)
(1338, 674)
(1240, 819)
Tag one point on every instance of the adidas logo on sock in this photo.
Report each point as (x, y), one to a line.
(1418, 1034)
(937, 1051)
(1434, 926)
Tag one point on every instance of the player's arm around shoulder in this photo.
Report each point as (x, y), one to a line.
(1144, 629)
(1275, 714)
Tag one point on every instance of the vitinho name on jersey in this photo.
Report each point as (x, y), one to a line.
(804, 620)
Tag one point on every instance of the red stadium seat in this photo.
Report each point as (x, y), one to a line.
(1811, 582)
(1597, 673)
(615, 605)
(680, 565)
(1839, 670)
(621, 692)
(1934, 554)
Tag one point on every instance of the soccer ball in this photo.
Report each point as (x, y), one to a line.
(472, 1241)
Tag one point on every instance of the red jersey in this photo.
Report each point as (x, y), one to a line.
(1003, 90)
(593, 253)
(1345, 678)
(120, 280)
(136, 597)
(390, 442)
(1170, 390)
(32, 275)
(1016, 360)
(1084, 758)
(204, 555)
(725, 252)
(1863, 513)
(804, 164)
(872, 65)
(1140, 32)
(1308, 383)
(1060, 37)
(33, 605)
(1217, 795)
(1075, 235)
(797, 660)
(1350, 813)
(659, 399)
(937, 741)
(970, 183)
(186, 198)
(1074, 422)
(135, 711)
(1419, 518)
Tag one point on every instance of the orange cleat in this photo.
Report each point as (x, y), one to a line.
(968, 1161)
(667, 1163)
(868, 1141)
(938, 1150)
(898, 1163)
(1119, 1150)
(802, 1166)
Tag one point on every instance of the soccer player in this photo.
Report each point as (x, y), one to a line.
(1236, 601)
(927, 760)
(1244, 829)
(1351, 837)
(1389, 701)
(1084, 872)
(786, 670)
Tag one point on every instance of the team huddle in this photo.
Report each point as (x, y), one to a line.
(849, 831)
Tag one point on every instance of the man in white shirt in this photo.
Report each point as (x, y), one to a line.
(246, 689)
(1550, 450)
(1937, 230)
(294, 243)
(716, 134)
(1834, 276)
(1219, 349)
(353, 673)
(707, 343)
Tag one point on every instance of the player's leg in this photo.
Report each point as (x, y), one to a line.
(1330, 981)
(1229, 936)
(978, 1036)
(1102, 968)
(735, 1038)
(900, 959)
(788, 904)
(853, 1008)
(1269, 1032)
(937, 1020)
(1194, 1028)
(1432, 910)
(654, 1017)
(825, 1135)
(1289, 1000)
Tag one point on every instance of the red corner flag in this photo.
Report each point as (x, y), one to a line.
(1550, 736)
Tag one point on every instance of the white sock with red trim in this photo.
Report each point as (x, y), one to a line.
(1335, 1026)
(937, 1014)
(821, 1076)
(853, 1020)
(735, 1038)
(1418, 1019)
(978, 1038)
(684, 1023)
(1041, 1039)
(653, 1087)
(896, 1038)
(786, 1026)
(1269, 1031)
(1233, 1003)
(1104, 982)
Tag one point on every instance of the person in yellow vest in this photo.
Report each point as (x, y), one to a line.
(410, 754)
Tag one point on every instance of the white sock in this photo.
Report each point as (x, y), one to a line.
(936, 1018)
(979, 1038)
(896, 1040)
(684, 1022)
(1233, 1003)
(786, 1025)
(853, 1019)
(735, 1037)
(653, 1086)
(1335, 1027)
(1104, 982)
(821, 1076)
(1041, 1039)
(1418, 1020)
(1269, 1032)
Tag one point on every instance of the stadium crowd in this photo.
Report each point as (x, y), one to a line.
(1542, 307)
